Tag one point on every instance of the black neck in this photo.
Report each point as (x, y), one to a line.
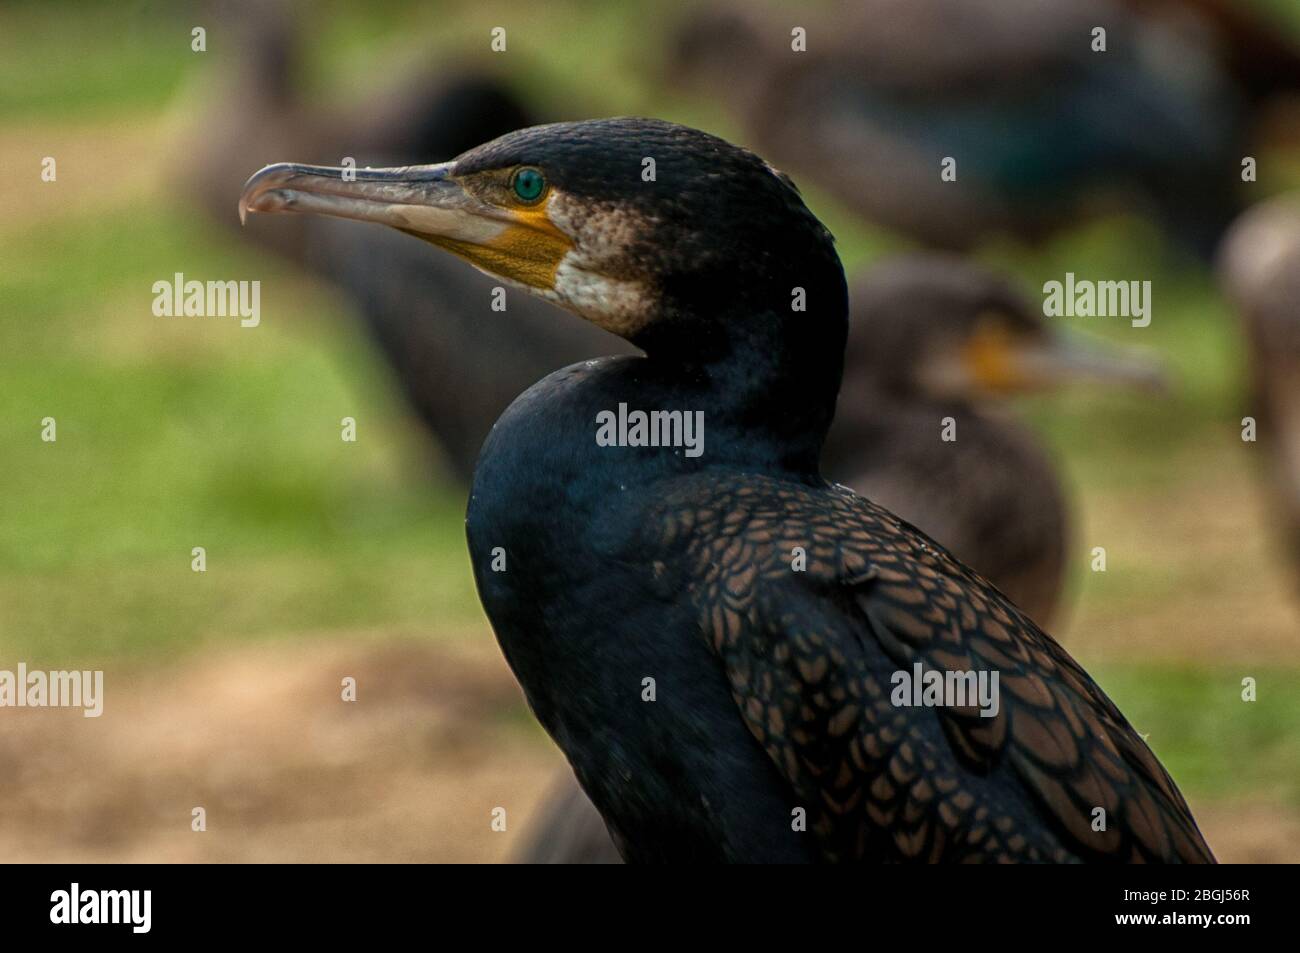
(766, 376)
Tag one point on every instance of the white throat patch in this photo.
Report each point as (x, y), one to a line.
(602, 237)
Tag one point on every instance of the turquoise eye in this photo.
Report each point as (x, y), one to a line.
(529, 184)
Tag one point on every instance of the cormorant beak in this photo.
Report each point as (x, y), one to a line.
(1000, 362)
(409, 198)
(426, 201)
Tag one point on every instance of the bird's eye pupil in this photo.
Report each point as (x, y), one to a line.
(529, 184)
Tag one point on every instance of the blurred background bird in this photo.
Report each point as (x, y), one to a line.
(1042, 120)
(1260, 267)
(935, 344)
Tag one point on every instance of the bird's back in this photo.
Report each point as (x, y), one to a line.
(813, 647)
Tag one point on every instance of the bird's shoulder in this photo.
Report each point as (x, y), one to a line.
(815, 600)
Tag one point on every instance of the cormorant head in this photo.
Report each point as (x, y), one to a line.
(667, 236)
(942, 327)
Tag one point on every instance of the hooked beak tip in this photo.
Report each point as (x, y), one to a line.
(261, 184)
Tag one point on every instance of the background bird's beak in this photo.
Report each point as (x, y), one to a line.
(426, 201)
(1002, 363)
(1071, 356)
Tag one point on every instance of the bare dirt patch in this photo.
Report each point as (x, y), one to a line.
(258, 736)
(285, 769)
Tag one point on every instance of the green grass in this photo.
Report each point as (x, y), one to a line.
(173, 435)
(79, 60)
(1211, 741)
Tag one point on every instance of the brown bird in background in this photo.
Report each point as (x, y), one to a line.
(1042, 129)
(1255, 50)
(935, 339)
(1260, 270)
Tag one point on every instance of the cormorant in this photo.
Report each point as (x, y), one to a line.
(1260, 265)
(459, 372)
(1042, 127)
(719, 641)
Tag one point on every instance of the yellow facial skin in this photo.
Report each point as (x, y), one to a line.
(1001, 359)
(992, 358)
(528, 249)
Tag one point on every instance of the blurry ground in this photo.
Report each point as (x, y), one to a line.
(287, 772)
(326, 559)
